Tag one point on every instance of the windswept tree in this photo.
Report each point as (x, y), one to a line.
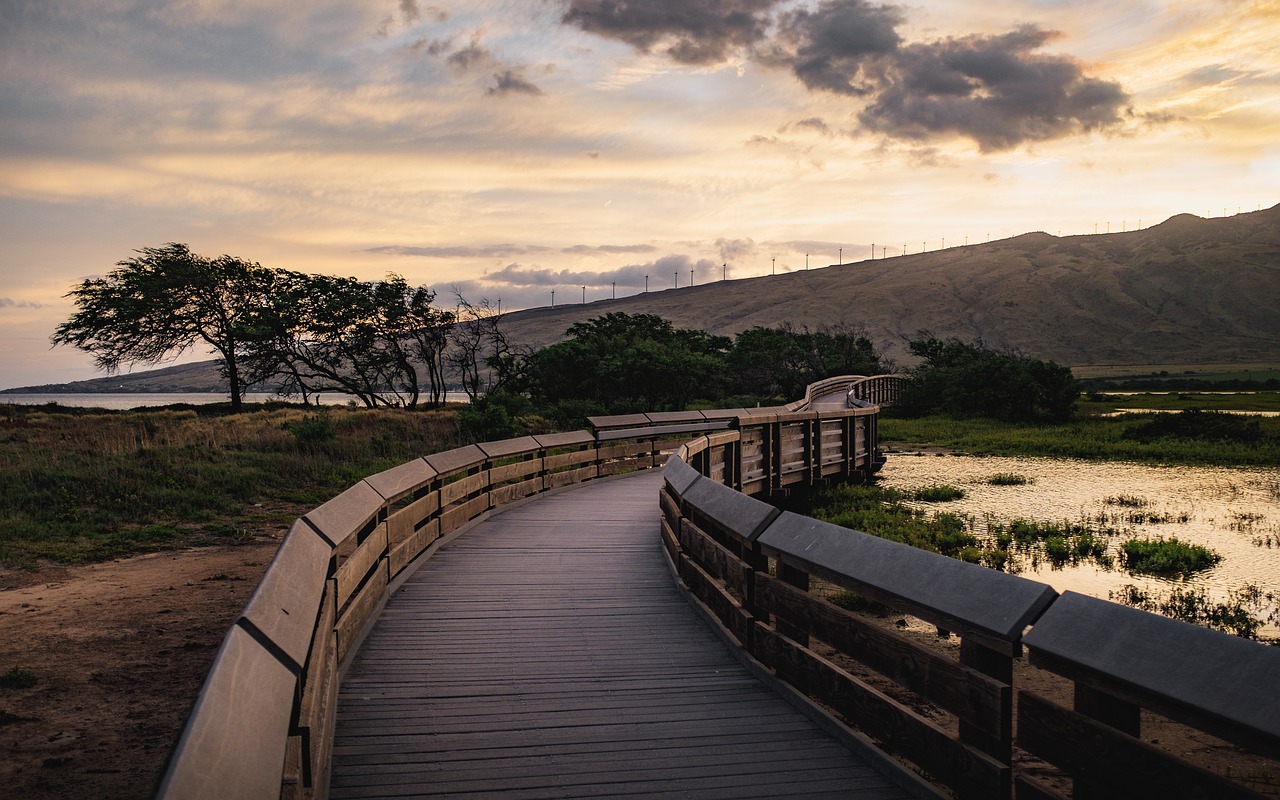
(370, 339)
(164, 302)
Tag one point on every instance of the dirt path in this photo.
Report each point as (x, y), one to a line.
(118, 651)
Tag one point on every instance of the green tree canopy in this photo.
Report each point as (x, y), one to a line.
(968, 380)
(781, 362)
(162, 303)
(629, 362)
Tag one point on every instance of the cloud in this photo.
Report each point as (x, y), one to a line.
(582, 249)
(811, 124)
(998, 90)
(512, 81)
(631, 275)
(486, 251)
(693, 31)
(829, 48)
(469, 57)
(8, 302)
(507, 250)
(735, 249)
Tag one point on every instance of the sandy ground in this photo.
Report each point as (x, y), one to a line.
(119, 650)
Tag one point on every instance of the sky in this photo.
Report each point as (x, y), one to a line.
(506, 150)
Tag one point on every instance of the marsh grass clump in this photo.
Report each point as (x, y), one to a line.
(1061, 542)
(1243, 613)
(1127, 501)
(883, 512)
(1008, 479)
(940, 493)
(1168, 557)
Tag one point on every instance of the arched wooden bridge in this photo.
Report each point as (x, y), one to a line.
(565, 616)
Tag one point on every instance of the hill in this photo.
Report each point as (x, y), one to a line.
(1187, 291)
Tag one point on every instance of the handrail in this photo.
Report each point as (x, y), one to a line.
(262, 725)
(881, 390)
(755, 569)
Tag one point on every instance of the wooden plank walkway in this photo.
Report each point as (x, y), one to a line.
(546, 653)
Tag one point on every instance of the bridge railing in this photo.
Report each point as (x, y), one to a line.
(768, 576)
(881, 390)
(262, 725)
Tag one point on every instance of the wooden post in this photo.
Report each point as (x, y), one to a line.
(999, 666)
(1109, 710)
(799, 579)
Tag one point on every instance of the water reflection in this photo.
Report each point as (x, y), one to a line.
(1235, 512)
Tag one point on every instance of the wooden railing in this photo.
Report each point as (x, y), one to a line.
(759, 571)
(262, 725)
(881, 390)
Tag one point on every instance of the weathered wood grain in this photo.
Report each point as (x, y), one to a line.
(547, 653)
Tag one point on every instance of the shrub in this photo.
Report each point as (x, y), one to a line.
(1213, 426)
(1008, 479)
(18, 678)
(938, 494)
(1166, 556)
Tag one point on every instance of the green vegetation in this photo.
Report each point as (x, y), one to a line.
(883, 512)
(1169, 557)
(1085, 437)
(87, 484)
(961, 379)
(1008, 479)
(1244, 613)
(1096, 403)
(937, 494)
(631, 363)
(381, 341)
(18, 678)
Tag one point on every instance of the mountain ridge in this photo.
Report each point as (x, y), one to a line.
(1189, 290)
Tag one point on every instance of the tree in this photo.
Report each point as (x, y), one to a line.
(480, 354)
(162, 303)
(369, 339)
(970, 380)
(626, 362)
(781, 362)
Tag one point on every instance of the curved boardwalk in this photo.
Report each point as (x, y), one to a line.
(547, 653)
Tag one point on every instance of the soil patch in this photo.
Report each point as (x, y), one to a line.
(118, 651)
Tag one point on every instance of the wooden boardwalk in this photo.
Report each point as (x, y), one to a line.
(546, 653)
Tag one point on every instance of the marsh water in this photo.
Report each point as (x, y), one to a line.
(1234, 512)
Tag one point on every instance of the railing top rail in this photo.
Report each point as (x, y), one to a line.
(1222, 681)
(956, 595)
(456, 459)
(570, 439)
(661, 431)
(345, 515)
(399, 481)
(509, 447)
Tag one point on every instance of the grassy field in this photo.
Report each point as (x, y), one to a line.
(87, 485)
(1212, 439)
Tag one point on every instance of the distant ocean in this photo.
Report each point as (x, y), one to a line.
(129, 400)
